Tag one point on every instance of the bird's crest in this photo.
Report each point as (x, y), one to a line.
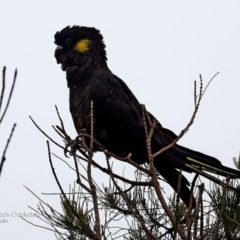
(81, 38)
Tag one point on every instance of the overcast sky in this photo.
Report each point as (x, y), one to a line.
(157, 48)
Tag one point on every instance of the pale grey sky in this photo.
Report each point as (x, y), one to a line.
(157, 48)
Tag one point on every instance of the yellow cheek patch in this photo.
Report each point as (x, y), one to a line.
(83, 45)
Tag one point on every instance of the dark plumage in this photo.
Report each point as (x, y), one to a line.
(118, 122)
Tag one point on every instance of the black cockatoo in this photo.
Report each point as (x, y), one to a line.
(118, 120)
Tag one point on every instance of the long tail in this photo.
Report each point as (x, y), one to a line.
(200, 160)
(203, 164)
(188, 160)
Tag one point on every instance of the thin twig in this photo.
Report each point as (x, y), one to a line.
(3, 86)
(57, 144)
(62, 129)
(201, 218)
(10, 94)
(38, 225)
(232, 220)
(56, 129)
(209, 82)
(195, 93)
(6, 147)
(91, 184)
(78, 175)
(177, 203)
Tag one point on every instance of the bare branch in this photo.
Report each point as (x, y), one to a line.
(92, 186)
(3, 86)
(10, 94)
(155, 182)
(6, 147)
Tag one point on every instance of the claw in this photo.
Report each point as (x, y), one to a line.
(73, 145)
(66, 149)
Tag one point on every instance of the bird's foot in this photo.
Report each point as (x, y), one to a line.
(73, 145)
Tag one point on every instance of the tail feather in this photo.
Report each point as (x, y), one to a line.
(212, 178)
(199, 154)
(213, 168)
(208, 163)
(201, 160)
(188, 160)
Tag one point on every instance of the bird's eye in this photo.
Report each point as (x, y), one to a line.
(68, 41)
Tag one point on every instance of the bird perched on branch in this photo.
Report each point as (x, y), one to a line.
(118, 120)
